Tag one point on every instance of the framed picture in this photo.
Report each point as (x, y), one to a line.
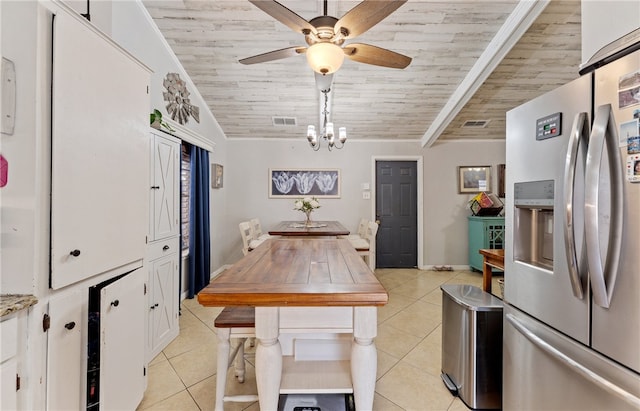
(304, 182)
(474, 179)
(502, 178)
(216, 175)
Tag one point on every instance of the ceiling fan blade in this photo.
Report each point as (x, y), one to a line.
(364, 16)
(274, 55)
(365, 53)
(284, 16)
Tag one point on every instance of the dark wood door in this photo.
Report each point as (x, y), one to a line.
(396, 211)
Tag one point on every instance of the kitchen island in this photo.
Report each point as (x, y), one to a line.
(306, 285)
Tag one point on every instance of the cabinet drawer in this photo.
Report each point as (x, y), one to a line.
(164, 247)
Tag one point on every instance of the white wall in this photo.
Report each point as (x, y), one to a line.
(445, 211)
(604, 21)
(247, 181)
(18, 198)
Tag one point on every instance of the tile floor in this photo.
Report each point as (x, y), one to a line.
(182, 377)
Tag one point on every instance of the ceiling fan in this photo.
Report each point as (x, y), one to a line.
(325, 36)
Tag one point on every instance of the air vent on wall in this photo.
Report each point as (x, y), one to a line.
(284, 121)
(475, 123)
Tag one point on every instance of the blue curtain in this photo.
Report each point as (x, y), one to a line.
(199, 235)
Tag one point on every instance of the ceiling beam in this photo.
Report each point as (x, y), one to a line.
(516, 25)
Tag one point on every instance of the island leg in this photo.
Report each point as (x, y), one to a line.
(268, 357)
(364, 357)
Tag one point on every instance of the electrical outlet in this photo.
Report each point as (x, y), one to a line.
(366, 195)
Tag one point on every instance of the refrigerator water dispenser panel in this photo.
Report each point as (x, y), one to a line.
(533, 223)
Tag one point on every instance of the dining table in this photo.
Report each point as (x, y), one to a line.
(306, 286)
(315, 228)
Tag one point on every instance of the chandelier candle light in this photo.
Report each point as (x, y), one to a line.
(327, 130)
(306, 205)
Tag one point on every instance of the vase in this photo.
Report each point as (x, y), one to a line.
(308, 220)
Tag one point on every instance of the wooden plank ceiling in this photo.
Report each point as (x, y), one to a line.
(444, 38)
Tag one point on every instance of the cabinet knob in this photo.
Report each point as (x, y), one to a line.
(75, 253)
(70, 326)
(165, 248)
(115, 303)
(154, 306)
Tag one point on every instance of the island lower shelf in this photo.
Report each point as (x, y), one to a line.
(315, 377)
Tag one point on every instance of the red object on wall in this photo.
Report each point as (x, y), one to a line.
(4, 171)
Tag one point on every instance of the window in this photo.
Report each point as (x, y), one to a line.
(185, 192)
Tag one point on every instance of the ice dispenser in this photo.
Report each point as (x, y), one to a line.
(533, 223)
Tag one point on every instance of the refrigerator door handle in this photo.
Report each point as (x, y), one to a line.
(604, 132)
(575, 366)
(578, 138)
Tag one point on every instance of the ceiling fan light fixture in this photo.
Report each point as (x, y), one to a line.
(325, 58)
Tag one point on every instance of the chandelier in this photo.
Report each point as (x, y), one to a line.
(327, 131)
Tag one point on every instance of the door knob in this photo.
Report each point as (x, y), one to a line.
(75, 253)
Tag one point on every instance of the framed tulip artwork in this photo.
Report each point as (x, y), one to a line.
(304, 182)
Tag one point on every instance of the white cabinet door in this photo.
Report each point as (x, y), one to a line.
(65, 350)
(165, 187)
(8, 372)
(100, 160)
(163, 303)
(122, 361)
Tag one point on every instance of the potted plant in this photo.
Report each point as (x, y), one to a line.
(157, 122)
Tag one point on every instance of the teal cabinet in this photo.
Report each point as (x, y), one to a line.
(484, 232)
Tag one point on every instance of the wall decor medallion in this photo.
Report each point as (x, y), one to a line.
(179, 106)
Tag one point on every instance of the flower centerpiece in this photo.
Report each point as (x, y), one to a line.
(306, 205)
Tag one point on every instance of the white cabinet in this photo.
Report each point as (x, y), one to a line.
(122, 361)
(8, 363)
(99, 159)
(95, 355)
(163, 250)
(165, 186)
(162, 291)
(65, 350)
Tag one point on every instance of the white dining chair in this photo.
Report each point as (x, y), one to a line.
(366, 247)
(361, 231)
(245, 234)
(256, 230)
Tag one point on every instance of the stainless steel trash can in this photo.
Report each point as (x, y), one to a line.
(472, 345)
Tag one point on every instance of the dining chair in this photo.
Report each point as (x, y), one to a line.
(237, 323)
(366, 247)
(245, 233)
(360, 233)
(256, 230)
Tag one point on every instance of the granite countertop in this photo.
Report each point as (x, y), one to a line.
(11, 303)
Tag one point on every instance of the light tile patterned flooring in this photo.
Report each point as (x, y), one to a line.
(182, 377)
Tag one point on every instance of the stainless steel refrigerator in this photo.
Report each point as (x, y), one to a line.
(572, 255)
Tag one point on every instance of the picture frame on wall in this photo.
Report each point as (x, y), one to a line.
(217, 172)
(303, 182)
(474, 179)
